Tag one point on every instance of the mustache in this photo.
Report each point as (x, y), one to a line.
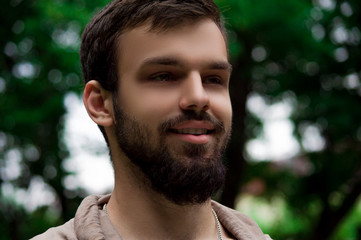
(192, 115)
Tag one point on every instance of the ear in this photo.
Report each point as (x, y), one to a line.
(98, 103)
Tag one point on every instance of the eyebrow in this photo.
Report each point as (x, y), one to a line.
(169, 61)
(220, 65)
(172, 61)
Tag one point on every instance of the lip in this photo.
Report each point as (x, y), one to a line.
(192, 138)
(195, 139)
(194, 124)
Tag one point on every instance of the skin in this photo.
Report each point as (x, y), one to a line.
(161, 75)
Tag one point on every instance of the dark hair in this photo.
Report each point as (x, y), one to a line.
(99, 44)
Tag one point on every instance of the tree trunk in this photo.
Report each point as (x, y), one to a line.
(331, 218)
(239, 90)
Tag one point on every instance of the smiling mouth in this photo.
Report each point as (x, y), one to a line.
(192, 131)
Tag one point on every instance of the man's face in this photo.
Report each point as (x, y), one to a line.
(172, 109)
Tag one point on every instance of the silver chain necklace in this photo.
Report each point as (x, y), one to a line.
(214, 214)
(218, 225)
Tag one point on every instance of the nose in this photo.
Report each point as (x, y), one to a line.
(194, 95)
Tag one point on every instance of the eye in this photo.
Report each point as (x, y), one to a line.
(214, 80)
(162, 77)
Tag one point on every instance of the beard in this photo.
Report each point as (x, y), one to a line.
(184, 174)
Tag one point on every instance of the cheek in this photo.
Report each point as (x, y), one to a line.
(222, 108)
(150, 106)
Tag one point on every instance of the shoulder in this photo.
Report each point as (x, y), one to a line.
(65, 231)
(85, 225)
(238, 224)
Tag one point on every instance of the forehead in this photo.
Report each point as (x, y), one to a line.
(192, 44)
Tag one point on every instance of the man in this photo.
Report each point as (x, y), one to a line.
(157, 76)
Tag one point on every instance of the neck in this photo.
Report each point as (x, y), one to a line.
(137, 212)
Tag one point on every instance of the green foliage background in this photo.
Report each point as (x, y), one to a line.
(304, 52)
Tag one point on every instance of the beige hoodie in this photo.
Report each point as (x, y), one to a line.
(91, 223)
